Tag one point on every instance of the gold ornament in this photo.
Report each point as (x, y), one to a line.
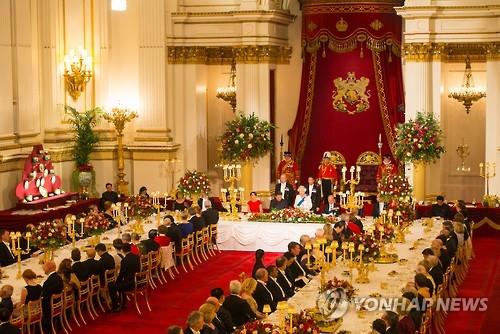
(351, 92)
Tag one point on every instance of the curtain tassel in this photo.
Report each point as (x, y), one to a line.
(361, 52)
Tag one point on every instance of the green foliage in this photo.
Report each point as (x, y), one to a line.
(86, 139)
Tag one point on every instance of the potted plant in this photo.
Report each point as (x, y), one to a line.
(85, 139)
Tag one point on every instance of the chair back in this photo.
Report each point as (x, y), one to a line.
(34, 311)
(190, 238)
(166, 256)
(84, 291)
(18, 319)
(199, 238)
(109, 277)
(185, 247)
(57, 304)
(154, 259)
(213, 232)
(144, 262)
(69, 297)
(95, 284)
(141, 281)
(206, 235)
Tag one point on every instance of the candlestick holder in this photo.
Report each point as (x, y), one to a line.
(351, 199)
(487, 171)
(232, 175)
(170, 169)
(70, 221)
(158, 207)
(17, 250)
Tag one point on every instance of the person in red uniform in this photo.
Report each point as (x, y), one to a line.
(254, 204)
(386, 168)
(290, 168)
(327, 176)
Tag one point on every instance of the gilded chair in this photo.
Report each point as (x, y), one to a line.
(154, 269)
(199, 252)
(84, 300)
(191, 255)
(109, 277)
(57, 311)
(167, 261)
(141, 282)
(17, 318)
(95, 293)
(206, 242)
(33, 316)
(183, 253)
(69, 307)
(213, 237)
(369, 162)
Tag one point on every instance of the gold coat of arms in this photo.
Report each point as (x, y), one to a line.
(350, 95)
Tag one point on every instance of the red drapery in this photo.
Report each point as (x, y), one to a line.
(339, 38)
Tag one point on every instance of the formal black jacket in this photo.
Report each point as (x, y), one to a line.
(81, 270)
(437, 275)
(93, 266)
(335, 211)
(6, 256)
(130, 265)
(315, 196)
(111, 196)
(263, 296)
(9, 328)
(211, 216)
(106, 262)
(150, 245)
(445, 259)
(451, 245)
(276, 289)
(174, 233)
(286, 284)
(198, 223)
(275, 205)
(52, 285)
(289, 195)
(225, 320)
(295, 271)
(443, 211)
(239, 309)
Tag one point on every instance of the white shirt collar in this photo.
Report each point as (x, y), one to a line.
(196, 332)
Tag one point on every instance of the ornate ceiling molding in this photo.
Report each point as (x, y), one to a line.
(216, 55)
(451, 52)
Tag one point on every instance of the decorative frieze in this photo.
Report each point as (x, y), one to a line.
(451, 52)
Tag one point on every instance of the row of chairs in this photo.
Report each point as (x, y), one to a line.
(433, 321)
(153, 268)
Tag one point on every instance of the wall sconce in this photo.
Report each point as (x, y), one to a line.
(468, 93)
(463, 152)
(77, 72)
(119, 5)
(228, 93)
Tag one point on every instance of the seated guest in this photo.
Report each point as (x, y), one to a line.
(173, 230)
(196, 219)
(150, 244)
(126, 238)
(349, 223)
(162, 239)
(356, 219)
(135, 244)
(297, 267)
(314, 192)
(208, 311)
(448, 240)
(175, 330)
(414, 313)
(6, 256)
(118, 257)
(436, 271)
(283, 280)
(278, 203)
(223, 314)
(5, 326)
(216, 320)
(254, 204)
(69, 278)
(378, 326)
(422, 284)
(441, 253)
(239, 309)
(108, 213)
(459, 230)
(143, 192)
(331, 207)
(195, 323)
(186, 226)
(423, 268)
(204, 199)
(302, 201)
(391, 322)
(32, 291)
(106, 261)
(79, 268)
(259, 261)
(262, 294)
(180, 203)
(6, 293)
(274, 286)
(210, 215)
(52, 285)
(126, 278)
(298, 277)
(286, 189)
(109, 195)
(247, 290)
(91, 263)
(441, 209)
(405, 323)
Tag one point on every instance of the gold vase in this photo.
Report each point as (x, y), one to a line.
(419, 180)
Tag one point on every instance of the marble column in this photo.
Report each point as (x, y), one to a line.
(492, 134)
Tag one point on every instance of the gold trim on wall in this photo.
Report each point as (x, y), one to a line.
(451, 52)
(247, 54)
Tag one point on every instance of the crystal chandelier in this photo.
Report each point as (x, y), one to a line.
(228, 93)
(468, 93)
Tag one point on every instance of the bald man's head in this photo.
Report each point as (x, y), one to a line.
(49, 267)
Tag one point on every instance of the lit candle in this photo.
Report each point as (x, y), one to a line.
(165, 195)
(379, 137)
(13, 241)
(81, 224)
(28, 237)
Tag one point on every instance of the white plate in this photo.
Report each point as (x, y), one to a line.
(46, 172)
(53, 179)
(42, 182)
(37, 183)
(43, 191)
(26, 184)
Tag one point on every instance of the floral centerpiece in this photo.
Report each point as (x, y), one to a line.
(95, 223)
(290, 215)
(419, 140)
(342, 284)
(259, 327)
(396, 191)
(370, 243)
(194, 183)
(49, 234)
(246, 137)
(140, 207)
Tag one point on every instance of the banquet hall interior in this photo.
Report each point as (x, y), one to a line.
(249, 166)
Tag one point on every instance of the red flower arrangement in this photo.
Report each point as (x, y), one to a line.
(396, 191)
(194, 182)
(303, 323)
(49, 234)
(291, 215)
(95, 223)
(140, 207)
(342, 284)
(259, 327)
(370, 243)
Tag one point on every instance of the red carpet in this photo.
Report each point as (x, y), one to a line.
(172, 302)
(483, 280)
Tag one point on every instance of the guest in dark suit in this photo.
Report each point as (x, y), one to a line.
(441, 253)
(5, 326)
(195, 323)
(441, 209)
(274, 286)
(391, 320)
(53, 285)
(196, 218)
(262, 295)
(283, 280)
(210, 215)
(6, 256)
(203, 201)
(436, 271)
(331, 207)
(150, 245)
(109, 195)
(175, 330)
(286, 189)
(314, 192)
(378, 326)
(173, 229)
(415, 314)
(239, 309)
(80, 269)
(106, 261)
(91, 263)
(125, 281)
(223, 314)
(186, 226)
(278, 203)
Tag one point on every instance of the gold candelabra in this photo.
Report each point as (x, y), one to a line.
(384, 256)
(158, 206)
(70, 222)
(120, 215)
(232, 175)
(119, 117)
(17, 250)
(228, 93)
(77, 72)
(364, 268)
(463, 152)
(487, 171)
(468, 93)
(351, 199)
(171, 169)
